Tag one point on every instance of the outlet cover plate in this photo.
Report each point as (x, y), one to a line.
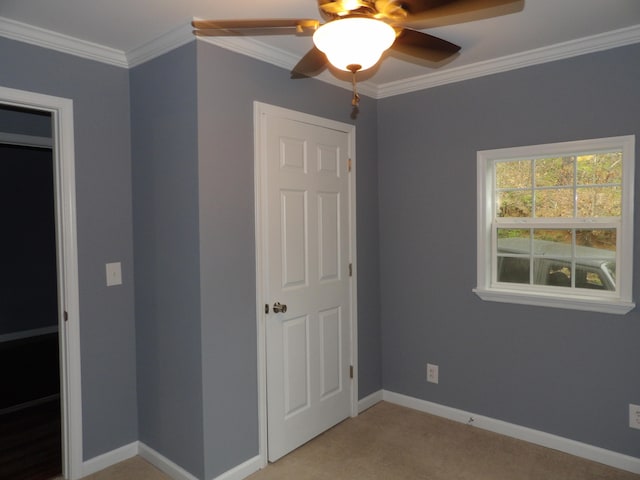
(634, 416)
(432, 373)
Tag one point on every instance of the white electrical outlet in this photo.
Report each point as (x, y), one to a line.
(634, 416)
(432, 373)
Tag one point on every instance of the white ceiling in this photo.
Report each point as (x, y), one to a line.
(128, 26)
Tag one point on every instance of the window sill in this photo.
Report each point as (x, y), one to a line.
(572, 302)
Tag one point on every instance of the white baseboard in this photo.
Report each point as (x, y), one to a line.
(243, 470)
(176, 472)
(369, 401)
(110, 458)
(572, 447)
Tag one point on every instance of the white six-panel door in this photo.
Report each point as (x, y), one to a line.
(307, 256)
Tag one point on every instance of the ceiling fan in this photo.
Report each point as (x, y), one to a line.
(357, 32)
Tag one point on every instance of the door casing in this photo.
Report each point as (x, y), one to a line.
(61, 110)
(260, 111)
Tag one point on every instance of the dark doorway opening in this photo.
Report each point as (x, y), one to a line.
(30, 410)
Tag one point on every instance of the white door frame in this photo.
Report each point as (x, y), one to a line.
(260, 178)
(61, 110)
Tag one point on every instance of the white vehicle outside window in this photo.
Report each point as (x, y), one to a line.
(555, 225)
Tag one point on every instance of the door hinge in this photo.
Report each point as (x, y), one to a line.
(349, 164)
(65, 316)
(266, 308)
(351, 371)
(351, 269)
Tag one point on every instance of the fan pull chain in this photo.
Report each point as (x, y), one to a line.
(354, 68)
(355, 101)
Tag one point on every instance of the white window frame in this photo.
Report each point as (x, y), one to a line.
(618, 302)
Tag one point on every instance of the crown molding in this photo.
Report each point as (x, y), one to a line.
(41, 37)
(573, 48)
(159, 46)
(255, 49)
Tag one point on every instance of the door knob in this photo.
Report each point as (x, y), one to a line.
(279, 308)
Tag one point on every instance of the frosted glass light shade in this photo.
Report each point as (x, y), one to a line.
(354, 41)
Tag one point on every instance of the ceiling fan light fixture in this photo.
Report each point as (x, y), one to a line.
(354, 41)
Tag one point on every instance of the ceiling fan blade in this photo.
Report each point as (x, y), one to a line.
(435, 13)
(311, 64)
(254, 32)
(424, 46)
(254, 26)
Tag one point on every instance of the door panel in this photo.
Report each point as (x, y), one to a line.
(293, 154)
(294, 238)
(331, 343)
(295, 334)
(329, 236)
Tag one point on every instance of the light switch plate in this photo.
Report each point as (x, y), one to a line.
(114, 274)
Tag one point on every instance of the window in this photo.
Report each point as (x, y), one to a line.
(555, 225)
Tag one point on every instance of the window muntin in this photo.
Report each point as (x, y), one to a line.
(555, 221)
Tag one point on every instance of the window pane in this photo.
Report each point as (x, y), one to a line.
(600, 239)
(599, 202)
(596, 259)
(554, 172)
(514, 204)
(553, 251)
(513, 269)
(599, 169)
(514, 240)
(592, 277)
(554, 203)
(513, 174)
(555, 272)
(555, 242)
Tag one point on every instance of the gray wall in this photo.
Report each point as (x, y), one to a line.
(100, 95)
(167, 260)
(227, 86)
(565, 372)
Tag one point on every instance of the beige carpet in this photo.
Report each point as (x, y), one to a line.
(392, 442)
(133, 469)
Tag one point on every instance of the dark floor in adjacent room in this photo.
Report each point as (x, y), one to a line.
(30, 442)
